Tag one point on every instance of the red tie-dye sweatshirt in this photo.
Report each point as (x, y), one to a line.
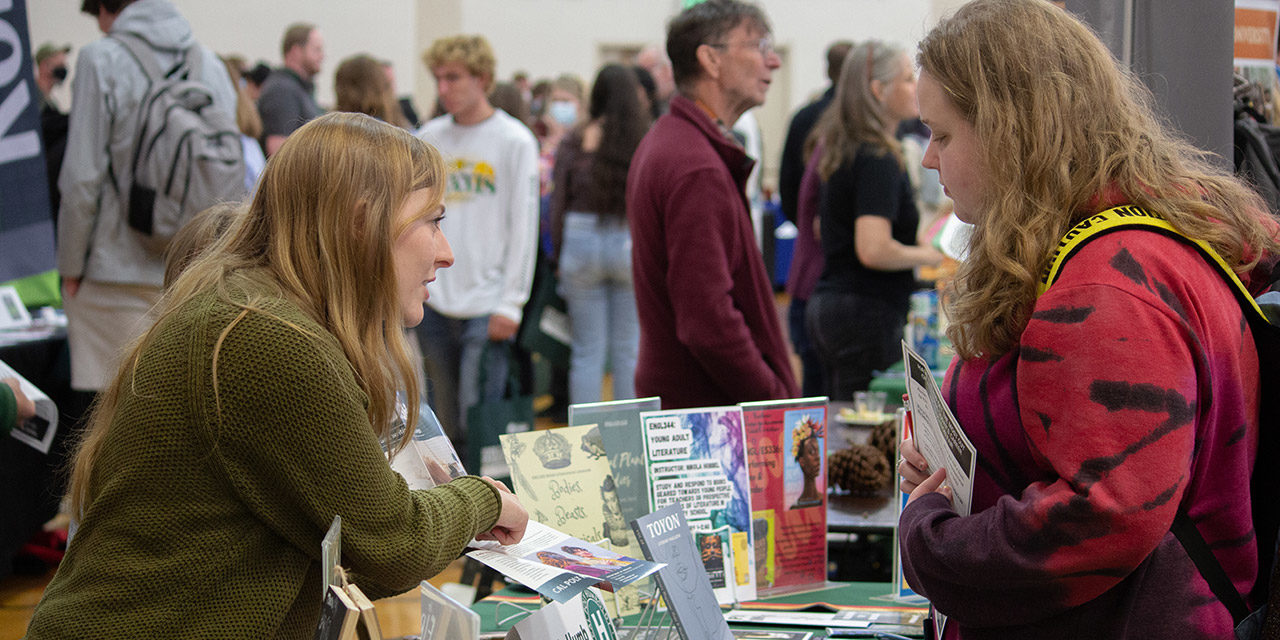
(1134, 388)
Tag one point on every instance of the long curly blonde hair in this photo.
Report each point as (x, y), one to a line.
(1064, 132)
(319, 233)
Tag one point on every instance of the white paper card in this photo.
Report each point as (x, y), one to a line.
(38, 431)
(938, 435)
(581, 617)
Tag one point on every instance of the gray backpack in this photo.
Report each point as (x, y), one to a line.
(188, 155)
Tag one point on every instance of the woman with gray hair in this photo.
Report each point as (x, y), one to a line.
(867, 220)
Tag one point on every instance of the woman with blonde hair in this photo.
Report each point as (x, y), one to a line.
(361, 85)
(1122, 400)
(257, 407)
(867, 220)
(249, 122)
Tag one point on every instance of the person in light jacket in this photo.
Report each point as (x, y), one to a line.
(110, 275)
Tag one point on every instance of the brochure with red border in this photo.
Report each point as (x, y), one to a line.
(786, 452)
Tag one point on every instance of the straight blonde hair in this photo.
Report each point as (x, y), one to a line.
(318, 233)
(855, 116)
(1064, 132)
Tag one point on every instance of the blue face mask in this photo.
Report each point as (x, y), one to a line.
(563, 112)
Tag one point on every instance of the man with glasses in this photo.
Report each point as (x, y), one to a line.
(709, 330)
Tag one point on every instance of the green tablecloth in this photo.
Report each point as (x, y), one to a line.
(507, 602)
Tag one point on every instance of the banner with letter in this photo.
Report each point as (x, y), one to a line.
(1255, 32)
(26, 228)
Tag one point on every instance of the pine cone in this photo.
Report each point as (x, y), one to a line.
(884, 437)
(860, 469)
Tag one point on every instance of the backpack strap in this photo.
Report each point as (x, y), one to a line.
(1130, 217)
(1210, 569)
(193, 57)
(141, 53)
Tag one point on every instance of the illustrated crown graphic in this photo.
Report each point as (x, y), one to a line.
(552, 449)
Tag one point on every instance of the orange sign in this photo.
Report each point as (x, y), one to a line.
(1255, 35)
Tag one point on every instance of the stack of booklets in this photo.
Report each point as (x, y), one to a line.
(346, 614)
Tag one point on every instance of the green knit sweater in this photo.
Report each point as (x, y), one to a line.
(206, 523)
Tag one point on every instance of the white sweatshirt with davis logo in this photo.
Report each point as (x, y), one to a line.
(491, 215)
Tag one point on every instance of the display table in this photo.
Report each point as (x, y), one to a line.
(837, 596)
(32, 480)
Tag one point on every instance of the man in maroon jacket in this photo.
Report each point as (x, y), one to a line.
(709, 332)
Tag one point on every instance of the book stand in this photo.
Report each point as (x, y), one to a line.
(652, 628)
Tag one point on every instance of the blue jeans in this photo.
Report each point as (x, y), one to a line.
(595, 280)
(451, 350)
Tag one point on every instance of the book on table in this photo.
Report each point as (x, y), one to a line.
(620, 430)
(786, 454)
(666, 538)
(563, 478)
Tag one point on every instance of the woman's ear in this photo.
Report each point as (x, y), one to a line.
(359, 216)
(877, 89)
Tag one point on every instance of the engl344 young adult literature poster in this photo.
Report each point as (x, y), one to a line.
(698, 458)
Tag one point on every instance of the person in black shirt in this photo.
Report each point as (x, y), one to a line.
(867, 220)
(288, 98)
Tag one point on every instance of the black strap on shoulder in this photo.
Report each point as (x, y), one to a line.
(1210, 569)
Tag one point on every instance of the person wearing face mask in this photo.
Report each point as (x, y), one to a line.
(563, 110)
(51, 71)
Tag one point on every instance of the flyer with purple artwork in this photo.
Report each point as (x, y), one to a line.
(698, 458)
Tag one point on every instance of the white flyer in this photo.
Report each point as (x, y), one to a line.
(38, 431)
(936, 432)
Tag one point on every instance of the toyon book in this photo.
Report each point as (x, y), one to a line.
(665, 537)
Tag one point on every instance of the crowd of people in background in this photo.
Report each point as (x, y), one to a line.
(583, 138)
(636, 190)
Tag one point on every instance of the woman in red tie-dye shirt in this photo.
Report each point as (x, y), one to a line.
(1126, 391)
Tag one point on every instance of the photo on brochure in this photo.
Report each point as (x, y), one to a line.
(559, 566)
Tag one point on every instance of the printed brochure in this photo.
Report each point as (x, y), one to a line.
(559, 566)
